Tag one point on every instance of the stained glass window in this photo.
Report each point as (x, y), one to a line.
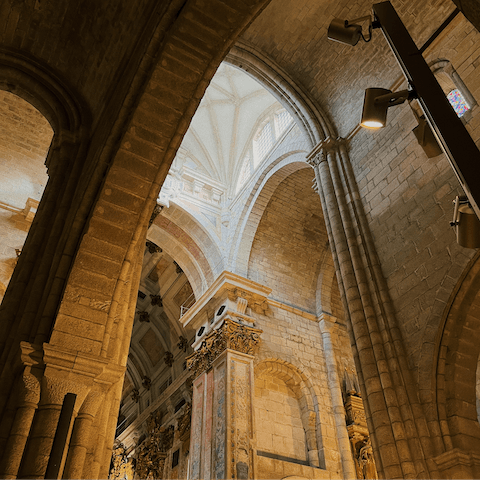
(458, 102)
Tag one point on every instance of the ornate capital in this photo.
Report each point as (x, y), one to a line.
(231, 335)
(320, 151)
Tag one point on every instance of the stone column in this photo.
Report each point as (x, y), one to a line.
(222, 407)
(327, 323)
(400, 438)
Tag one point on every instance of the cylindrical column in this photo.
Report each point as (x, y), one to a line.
(326, 324)
(77, 451)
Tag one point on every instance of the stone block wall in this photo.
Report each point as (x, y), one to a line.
(408, 202)
(290, 242)
(24, 143)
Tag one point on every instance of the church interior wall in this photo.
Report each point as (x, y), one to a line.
(87, 302)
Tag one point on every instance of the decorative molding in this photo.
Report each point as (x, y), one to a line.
(152, 247)
(184, 423)
(135, 395)
(156, 300)
(228, 286)
(168, 358)
(147, 382)
(144, 316)
(230, 335)
(182, 343)
(152, 452)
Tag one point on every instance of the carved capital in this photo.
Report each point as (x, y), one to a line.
(231, 335)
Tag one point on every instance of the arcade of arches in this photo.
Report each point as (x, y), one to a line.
(207, 269)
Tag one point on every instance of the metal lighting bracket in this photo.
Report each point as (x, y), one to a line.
(396, 98)
(451, 134)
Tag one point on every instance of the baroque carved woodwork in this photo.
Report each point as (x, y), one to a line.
(152, 452)
(231, 335)
(122, 466)
(357, 428)
(184, 422)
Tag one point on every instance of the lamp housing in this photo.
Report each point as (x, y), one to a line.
(466, 223)
(376, 103)
(344, 32)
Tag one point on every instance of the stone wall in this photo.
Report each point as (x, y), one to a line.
(290, 242)
(26, 137)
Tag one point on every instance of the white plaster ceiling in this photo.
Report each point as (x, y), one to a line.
(224, 123)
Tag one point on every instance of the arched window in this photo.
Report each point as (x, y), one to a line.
(455, 89)
(458, 102)
(266, 137)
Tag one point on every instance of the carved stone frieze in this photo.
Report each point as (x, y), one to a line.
(231, 335)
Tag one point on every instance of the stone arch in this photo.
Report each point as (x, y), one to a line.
(207, 241)
(311, 120)
(300, 384)
(277, 172)
(181, 247)
(457, 353)
(35, 83)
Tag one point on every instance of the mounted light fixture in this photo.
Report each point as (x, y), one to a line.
(466, 223)
(349, 33)
(447, 128)
(376, 103)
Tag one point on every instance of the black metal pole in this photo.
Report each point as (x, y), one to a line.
(61, 436)
(453, 137)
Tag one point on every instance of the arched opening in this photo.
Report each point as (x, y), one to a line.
(457, 364)
(26, 138)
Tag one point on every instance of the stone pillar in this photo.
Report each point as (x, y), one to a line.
(327, 323)
(222, 411)
(402, 441)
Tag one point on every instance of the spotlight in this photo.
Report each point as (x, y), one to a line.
(349, 33)
(376, 103)
(466, 223)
